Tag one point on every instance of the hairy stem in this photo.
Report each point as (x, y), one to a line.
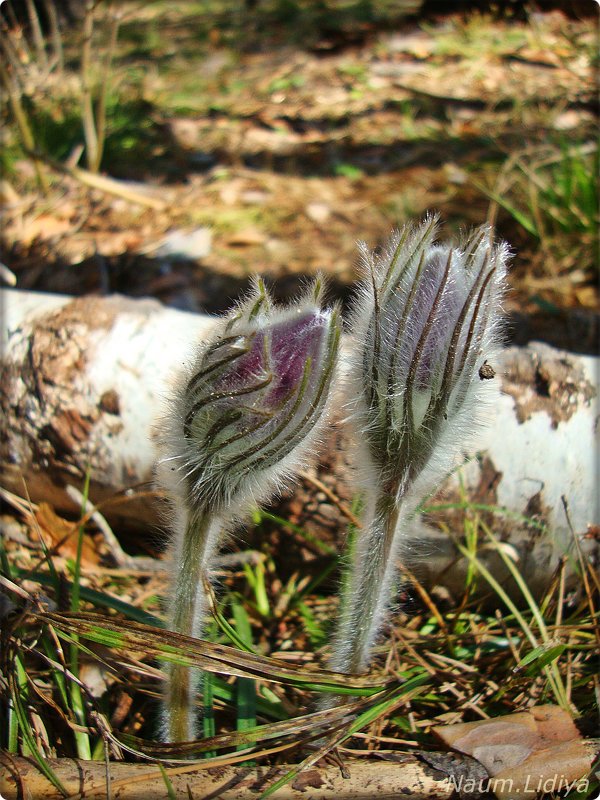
(188, 606)
(367, 590)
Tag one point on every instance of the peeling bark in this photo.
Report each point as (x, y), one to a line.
(547, 380)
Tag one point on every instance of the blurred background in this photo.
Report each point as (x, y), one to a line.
(172, 149)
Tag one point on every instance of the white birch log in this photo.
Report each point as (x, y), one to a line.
(84, 380)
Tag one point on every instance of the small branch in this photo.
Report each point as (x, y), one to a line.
(103, 183)
(342, 507)
(113, 545)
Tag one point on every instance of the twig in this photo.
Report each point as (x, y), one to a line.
(103, 183)
(427, 599)
(112, 186)
(409, 774)
(342, 507)
(121, 558)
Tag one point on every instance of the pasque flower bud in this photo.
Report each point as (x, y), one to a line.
(426, 328)
(238, 426)
(427, 324)
(254, 398)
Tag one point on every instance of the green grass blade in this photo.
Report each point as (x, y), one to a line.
(168, 785)
(496, 510)
(30, 745)
(385, 705)
(59, 678)
(540, 657)
(231, 632)
(75, 589)
(97, 598)
(246, 688)
(315, 632)
(82, 740)
(524, 625)
(126, 636)
(525, 221)
(552, 669)
(208, 711)
(256, 578)
(13, 722)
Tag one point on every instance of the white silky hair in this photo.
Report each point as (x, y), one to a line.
(368, 600)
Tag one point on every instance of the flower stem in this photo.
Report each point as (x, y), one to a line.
(368, 586)
(188, 606)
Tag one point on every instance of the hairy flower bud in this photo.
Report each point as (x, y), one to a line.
(254, 396)
(429, 324)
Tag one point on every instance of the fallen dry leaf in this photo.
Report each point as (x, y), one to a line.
(525, 753)
(62, 534)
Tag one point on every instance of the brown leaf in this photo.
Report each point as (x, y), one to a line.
(523, 752)
(62, 534)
